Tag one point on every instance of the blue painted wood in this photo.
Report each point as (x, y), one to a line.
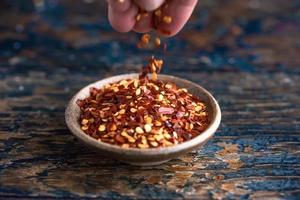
(244, 52)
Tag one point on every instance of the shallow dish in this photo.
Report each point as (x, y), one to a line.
(152, 156)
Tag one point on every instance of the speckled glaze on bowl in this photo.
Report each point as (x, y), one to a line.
(144, 157)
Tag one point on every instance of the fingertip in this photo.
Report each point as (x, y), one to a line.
(179, 11)
(149, 5)
(144, 24)
(119, 5)
(122, 21)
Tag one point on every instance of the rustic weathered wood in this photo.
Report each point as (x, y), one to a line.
(245, 52)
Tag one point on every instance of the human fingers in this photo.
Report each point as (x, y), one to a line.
(121, 14)
(143, 23)
(120, 5)
(179, 12)
(149, 5)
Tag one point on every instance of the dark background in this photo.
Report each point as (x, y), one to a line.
(245, 52)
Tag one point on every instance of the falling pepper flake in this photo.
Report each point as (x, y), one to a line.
(144, 41)
(145, 38)
(157, 42)
(154, 67)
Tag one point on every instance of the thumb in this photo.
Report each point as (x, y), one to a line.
(149, 5)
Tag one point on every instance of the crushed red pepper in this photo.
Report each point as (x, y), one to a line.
(158, 18)
(142, 113)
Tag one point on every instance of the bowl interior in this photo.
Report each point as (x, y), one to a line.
(73, 112)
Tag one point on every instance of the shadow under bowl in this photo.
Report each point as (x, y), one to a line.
(151, 156)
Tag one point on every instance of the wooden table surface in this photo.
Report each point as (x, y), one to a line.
(247, 53)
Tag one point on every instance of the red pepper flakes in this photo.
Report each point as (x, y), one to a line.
(157, 13)
(167, 19)
(157, 42)
(141, 13)
(144, 41)
(158, 18)
(142, 113)
(138, 17)
(154, 67)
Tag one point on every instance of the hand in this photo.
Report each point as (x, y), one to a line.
(122, 15)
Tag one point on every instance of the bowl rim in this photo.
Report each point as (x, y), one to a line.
(75, 129)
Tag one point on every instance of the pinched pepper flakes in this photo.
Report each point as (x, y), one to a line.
(158, 18)
(142, 113)
(167, 19)
(141, 13)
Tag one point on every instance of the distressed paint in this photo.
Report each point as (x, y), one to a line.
(244, 52)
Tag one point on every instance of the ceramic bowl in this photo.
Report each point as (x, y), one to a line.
(144, 157)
